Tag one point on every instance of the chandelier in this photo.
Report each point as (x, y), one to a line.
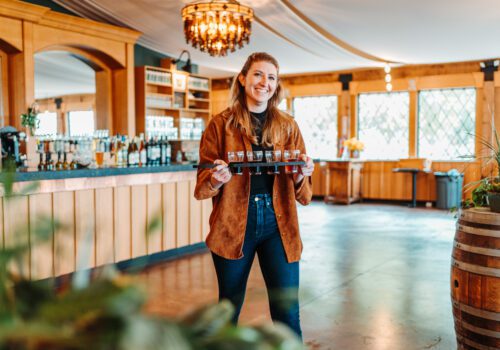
(217, 26)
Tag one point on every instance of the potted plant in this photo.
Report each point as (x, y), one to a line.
(30, 119)
(487, 193)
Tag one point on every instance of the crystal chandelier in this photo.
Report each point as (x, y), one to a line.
(217, 26)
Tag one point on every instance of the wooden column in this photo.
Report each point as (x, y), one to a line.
(103, 108)
(22, 73)
(123, 96)
(412, 136)
(485, 111)
(4, 96)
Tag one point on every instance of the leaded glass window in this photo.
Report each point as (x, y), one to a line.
(282, 105)
(446, 123)
(47, 124)
(317, 120)
(383, 123)
(81, 123)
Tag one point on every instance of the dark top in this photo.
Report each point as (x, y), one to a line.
(260, 183)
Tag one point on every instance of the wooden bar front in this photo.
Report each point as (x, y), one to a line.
(105, 219)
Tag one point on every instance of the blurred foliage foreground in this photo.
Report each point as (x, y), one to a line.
(105, 312)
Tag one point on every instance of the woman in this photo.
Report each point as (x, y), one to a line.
(255, 214)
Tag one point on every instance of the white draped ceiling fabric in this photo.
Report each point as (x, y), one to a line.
(322, 35)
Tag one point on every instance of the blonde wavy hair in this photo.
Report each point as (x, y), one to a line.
(277, 124)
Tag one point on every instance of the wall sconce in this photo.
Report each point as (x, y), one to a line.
(187, 67)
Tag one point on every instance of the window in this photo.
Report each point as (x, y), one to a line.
(383, 123)
(47, 124)
(446, 123)
(81, 123)
(317, 119)
(282, 105)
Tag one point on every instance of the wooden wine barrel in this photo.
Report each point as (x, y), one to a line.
(475, 279)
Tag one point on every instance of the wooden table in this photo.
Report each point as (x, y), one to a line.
(414, 172)
(343, 181)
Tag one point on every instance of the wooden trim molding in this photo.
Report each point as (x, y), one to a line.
(22, 10)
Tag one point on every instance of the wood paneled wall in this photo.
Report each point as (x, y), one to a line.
(103, 225)
(380, 182)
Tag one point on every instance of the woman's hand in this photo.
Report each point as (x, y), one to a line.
(220, 174)
(304, 170)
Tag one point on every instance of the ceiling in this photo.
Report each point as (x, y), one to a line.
(323, 35)
(59, 73)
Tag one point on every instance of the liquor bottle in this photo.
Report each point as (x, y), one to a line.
(124, 151)
(169, 151)
(155, 155)
(143, 157)
(130, 158)
(49, 163)
(74, 149)
(65, 162)
(163, 151)
(59, 164)
(149, 152)
(41, 164)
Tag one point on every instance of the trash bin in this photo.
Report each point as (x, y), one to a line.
(449, 189)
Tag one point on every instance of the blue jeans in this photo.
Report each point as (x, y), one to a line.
(282, 278)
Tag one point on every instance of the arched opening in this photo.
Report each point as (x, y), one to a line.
(74, 89)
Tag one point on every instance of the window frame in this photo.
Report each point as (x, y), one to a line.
(417, 134)
(414, 86)
(292, 110)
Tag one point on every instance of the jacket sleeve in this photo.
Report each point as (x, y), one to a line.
(210, 150)
(303, 190)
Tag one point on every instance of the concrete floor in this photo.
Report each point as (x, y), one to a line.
(373, 277)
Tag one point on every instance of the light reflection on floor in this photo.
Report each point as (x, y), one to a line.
(372, 277)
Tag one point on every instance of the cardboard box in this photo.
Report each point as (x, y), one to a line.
(415, 163)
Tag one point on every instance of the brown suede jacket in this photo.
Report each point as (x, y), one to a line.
(230, 202)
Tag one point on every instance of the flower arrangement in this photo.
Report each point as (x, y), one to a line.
(354, 144)
(30, 118)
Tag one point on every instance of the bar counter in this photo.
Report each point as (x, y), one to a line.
(107, 216)
(35, 175)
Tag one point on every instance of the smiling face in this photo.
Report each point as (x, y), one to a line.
(260, 85)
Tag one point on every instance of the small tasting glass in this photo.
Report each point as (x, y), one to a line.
(257, 156)
(277, 158)
(269, 159)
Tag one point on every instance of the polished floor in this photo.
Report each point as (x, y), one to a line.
(373, 276)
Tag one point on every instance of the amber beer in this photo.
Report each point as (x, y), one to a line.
(291, 156)
(99, 158)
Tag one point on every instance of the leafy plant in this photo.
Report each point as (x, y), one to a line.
(105, 312)
(30, 118)
(491, 183)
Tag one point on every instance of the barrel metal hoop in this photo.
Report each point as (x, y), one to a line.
(489, 315)
(478, 231)
(478, 330)
(477, 250)
(481, 216)
(481, 270)
(474, 344)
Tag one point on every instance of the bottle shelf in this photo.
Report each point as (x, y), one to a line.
(158, 83)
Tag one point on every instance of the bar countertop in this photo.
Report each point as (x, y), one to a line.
(35, 175)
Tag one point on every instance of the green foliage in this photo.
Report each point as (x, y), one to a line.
(30, 119)
(490, 184)
(106, 312)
